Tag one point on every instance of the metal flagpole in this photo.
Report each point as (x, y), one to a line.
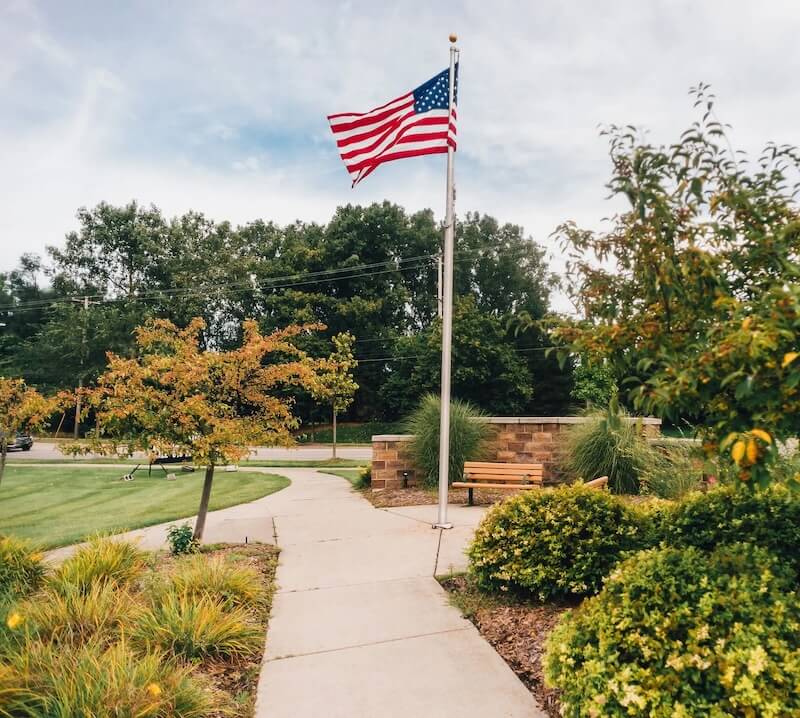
(447, 313)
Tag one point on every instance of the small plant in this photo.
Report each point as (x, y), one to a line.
(469, 434)
(192, 627)
(181, 539)
(103, 560)
(554, 543)
(364, 480)
(217, 578)
(609, 444)
(680, 632)
(769, 519)
(21, 567)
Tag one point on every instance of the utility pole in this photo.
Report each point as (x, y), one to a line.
(85, 302)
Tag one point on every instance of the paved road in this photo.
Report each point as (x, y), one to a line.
(48, 450)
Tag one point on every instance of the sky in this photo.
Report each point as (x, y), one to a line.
(221, 107)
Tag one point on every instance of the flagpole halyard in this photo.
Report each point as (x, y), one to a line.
(447, 311)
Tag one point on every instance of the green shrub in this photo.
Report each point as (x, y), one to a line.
(554, 543)
(21, 567)
(364, 480)
(219, 579)
(609, 444)
(680, 632)
(102, 560)
(65, 682)
(769, 519)
(469, 433)
(197, 627)
(181, 539)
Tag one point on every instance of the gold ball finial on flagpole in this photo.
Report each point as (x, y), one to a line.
(453, 37)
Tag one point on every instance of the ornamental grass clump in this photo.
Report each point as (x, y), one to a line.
(197, 627)
(469, 435)
(610, 443)
(218, 578)
(683, 633)
(90, 680)
(21, 567)
(555, 543)
(69, 615)
(102, 560)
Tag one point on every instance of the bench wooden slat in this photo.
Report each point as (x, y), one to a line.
(503, 479)
(500, 470)
(492, 487)
(499, 464)
(504, 474)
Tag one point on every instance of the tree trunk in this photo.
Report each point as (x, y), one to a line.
(3, 452)
(334, 432)
(200, 524)
(77, 410)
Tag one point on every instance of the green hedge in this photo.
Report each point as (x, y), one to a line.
(682, 632)
(554, 543)
(769, 519)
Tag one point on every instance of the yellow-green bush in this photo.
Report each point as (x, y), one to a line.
(102, 560)
(770, 519)
(554, 543)
(89, 680)
(218, 578)
(679, 633)
(21, 567)
(197, 627)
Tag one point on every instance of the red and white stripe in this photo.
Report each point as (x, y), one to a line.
(390, 132)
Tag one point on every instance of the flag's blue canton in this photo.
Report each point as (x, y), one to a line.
(434, 94)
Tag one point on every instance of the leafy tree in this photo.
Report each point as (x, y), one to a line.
(696, 297)
(499, 266)
(487, 370)
(174, 397)
(335, 382)
(595, 383)
(22, 408)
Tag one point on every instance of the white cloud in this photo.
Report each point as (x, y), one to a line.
(222, 108)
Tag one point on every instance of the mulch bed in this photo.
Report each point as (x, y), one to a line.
(417, 496)
(517, 630)
(238, 678)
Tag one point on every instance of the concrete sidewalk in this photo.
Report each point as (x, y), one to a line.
(360, 627)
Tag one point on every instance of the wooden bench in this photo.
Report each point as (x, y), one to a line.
(600, 484)
(492, 475)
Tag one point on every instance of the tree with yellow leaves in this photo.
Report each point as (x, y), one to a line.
(176, 398)
(336, 384)
(693, 294)
(22, 408)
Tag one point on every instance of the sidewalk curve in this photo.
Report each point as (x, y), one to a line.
(360, 627)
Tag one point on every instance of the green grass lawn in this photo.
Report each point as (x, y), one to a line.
(59, 505)
(352, 475)
(275, 463)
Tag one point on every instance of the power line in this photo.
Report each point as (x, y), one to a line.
(207, 292)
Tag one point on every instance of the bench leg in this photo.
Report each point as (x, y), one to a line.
(469, 495)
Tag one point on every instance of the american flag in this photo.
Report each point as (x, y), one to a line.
(411, 125)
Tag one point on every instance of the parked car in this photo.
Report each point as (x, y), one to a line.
(22, 442)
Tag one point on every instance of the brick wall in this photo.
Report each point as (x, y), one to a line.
(518, 440)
